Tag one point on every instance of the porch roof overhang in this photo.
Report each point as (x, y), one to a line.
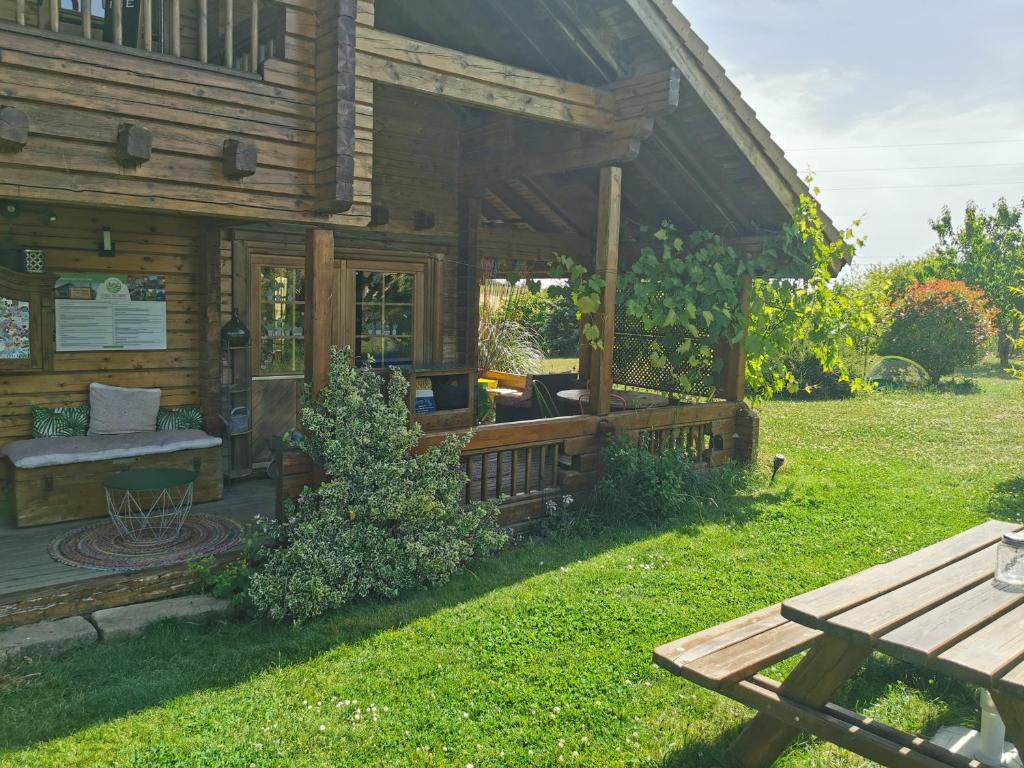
(702, 160)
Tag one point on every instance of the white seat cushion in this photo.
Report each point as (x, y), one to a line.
(58, 451)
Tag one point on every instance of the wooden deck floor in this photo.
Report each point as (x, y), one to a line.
(25, 563)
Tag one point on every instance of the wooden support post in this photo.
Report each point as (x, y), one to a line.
(828, 664)
(1012, 712)
(119, 22)
(210, 349)
(204, 32)
(319, 307)
(20, 12)
(734, 373)
(55, 15)
(229, 33)
(175, 28)
(87, 19)
(470, 200)
(147, 25)
(254, 36)
(609, 225)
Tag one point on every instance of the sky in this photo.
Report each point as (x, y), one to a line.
(896, 107)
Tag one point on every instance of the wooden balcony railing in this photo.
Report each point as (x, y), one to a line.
(525, 465)
(237, 34)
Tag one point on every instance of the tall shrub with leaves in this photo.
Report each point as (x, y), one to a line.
(387, 518)
(941, 324)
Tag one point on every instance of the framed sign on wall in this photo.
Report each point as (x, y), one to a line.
(97, 312)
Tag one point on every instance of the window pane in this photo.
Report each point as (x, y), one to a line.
(397, 351)
(15, 337)
(384, 317)
(370, 350)
(282, 318)
(398, 321)
(369, 319)
(400, 288)
(370, 286)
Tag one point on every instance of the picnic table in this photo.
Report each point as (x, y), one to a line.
(939, 608)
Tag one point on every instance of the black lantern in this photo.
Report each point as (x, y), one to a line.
(234, 334)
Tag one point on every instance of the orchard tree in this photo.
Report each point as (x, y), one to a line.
(987, 252)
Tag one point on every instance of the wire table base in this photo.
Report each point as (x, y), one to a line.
(149, 516)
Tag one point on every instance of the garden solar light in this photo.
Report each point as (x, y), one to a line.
(776, 466)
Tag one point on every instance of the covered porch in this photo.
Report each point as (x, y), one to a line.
(34, 586)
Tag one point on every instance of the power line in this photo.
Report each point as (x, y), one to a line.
(928, 186)
(907, 146)
(918, 168)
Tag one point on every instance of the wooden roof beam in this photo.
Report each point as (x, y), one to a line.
(478, 82)
(503, 148)
(554, 158)
(393, 59)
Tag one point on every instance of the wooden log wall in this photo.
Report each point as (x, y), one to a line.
(151, 244)
(78, 92)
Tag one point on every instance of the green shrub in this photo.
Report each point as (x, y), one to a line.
(386, 520)
(641, 487)
(941, 324)
(560, 335)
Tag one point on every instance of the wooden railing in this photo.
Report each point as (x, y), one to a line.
(161, 26)
(526, 465)
(705, 431)
(511, 473)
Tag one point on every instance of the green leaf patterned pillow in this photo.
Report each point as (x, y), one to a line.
(189, 417)
(60, 422)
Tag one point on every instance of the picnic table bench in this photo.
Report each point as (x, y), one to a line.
(938, 608)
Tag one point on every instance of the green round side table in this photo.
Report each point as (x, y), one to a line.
(149, 506)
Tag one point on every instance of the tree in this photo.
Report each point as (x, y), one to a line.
(941, 324)
(987, 252)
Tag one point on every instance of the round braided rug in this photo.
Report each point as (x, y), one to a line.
(99, 546)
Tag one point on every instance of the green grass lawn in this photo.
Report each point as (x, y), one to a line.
(542, 656)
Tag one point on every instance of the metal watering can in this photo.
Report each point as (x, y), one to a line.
(238, 420)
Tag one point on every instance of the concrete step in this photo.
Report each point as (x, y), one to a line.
(47, 638)
(130, 620)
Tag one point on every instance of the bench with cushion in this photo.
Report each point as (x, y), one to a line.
(59, 478)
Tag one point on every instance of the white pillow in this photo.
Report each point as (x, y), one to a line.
(120, 411)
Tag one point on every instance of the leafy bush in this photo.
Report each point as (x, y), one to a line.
(386, 520)
(641, 487)
(941, 324)
(561, 332)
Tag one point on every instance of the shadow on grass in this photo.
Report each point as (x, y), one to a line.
(50, 699)
(867, 691)
(956, 386)
(1006, 501)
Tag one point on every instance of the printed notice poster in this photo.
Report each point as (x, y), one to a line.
(110, 312)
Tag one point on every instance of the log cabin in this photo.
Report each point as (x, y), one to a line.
(304, 165)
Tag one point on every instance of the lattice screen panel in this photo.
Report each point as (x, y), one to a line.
(631, 363)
